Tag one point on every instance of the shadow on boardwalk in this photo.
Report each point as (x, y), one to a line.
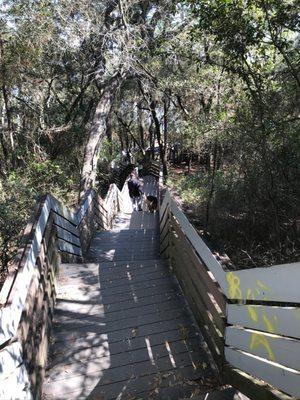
(122, 328)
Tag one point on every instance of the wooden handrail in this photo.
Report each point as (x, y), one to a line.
(54, 233)
(249, 318)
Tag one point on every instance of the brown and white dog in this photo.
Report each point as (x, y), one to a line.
(151, 202)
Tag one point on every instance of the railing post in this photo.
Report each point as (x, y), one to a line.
(164, 225)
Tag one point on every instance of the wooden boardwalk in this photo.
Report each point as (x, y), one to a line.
(122, 329)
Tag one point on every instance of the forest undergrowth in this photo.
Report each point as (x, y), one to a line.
(238, 237)
(82, 83)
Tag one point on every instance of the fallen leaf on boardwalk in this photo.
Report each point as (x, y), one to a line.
(144, 373)
(204, 365)
(196, 393)
(184, 332)
(134, 332)
(130, 397)
(190, 383)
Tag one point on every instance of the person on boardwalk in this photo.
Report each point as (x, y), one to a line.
(135, 192)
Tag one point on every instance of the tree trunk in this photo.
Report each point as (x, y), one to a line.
(109, 136)
(7, 108)
(142, 127)
(151, 140)
(189, 162)
(98, 131)
(159, 139)
(120, 136)
(212, 184)
(166, 134)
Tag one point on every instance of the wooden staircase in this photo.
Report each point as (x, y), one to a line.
(122, 329)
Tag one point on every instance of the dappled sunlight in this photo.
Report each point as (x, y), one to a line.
(170, 354)
(147, 340)
(121, 324)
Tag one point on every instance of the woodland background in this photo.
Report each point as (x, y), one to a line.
(213, 83)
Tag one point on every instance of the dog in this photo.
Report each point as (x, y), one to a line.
(151, 202)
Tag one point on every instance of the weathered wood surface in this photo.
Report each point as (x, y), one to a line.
(284, 379)
(122, 328)
(182, 245)
(262, 327)
(28, 295)
(280, 349)
(254, 388)
(284, 320)
(200, 247)
(266, 284)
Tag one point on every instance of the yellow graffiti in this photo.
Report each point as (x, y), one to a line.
(257, 315)
(258, 340)
(268, 324)
(262, 285)
(234, 290)
(252, 310)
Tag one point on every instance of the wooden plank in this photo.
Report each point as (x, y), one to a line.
(125, 364)
(117, 329)
(164, 231)
(111, 202)
(101, 204)
(166, 202)
(63, 326)
(16, 385)
(128, 306)
(200, 247)
(10, 315)
(87, 227)
(26, 239)
(278, 283)
(135, 349)
(273, 319)
(99, 240)
(99, 210)
(133, 381)
(202, 318)
(63, 314)
(284, 351)
(164, 251)
(122, 248)
(10, 359)
(120, 287)
(79, 296)
(201, 290)
(69, 248)
(165, 242)
(49, 232)
(191, 291)
(164, 216)
(211, 285)
(251, 387)
(284, 379)
(126, 358)
(216, 352)
(160, 327)
(67, 236)
(65, 224)
(62, 210)
(135, 343)
(80, 215)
